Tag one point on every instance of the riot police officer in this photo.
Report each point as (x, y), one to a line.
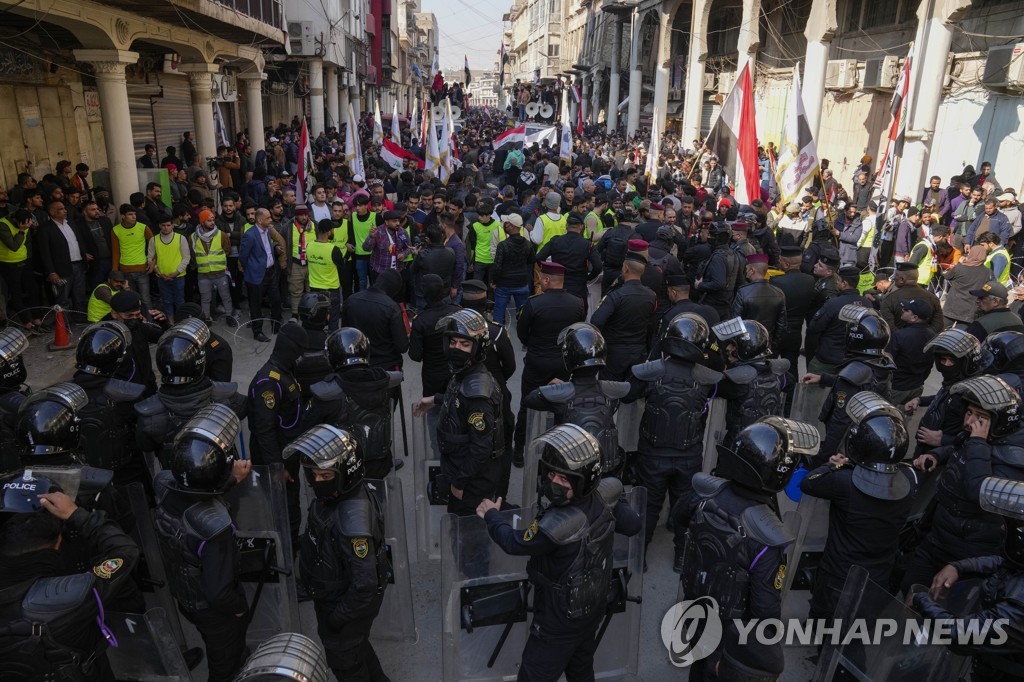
(871, 492)
(753, 383)
(569, 543)
(677, 390)
(625, 317)
(126, 307)
(344, 560)
(469, 426)
(219, 357)
(735, 551)
(585, 400)
(721, 275)
(866, 367)
(312, 366)
(761, 300)
(960, 528)
(12, 376)
(357, 398)
(1002, 592)
(1002, 354)
(36, 592)
(184, 387)
(108, 420)
(195, 529)
(274, 406)
(425, 339)
(798, 288)
(826, 331)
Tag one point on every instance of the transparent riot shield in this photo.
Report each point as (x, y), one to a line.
(537, 423)
(485, 597)
(805, 554)
(396, 619)
(907, 655)
(714, 434)
(143, 648)
(913, 422)
(151, 573)
(594, 293)
(627, 420)
(263, 537)
(68, 478)
(431, 496)
(807, 402)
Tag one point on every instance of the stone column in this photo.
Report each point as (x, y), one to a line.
(821, 28)
(200, 80)
(613, 76)
(331, 86)
(661, 74)
(585, 95)
(355, 100)
(749, 40)
(635, 81)
(316, 97)
(117, 121)
(251, 83)
(693, 98)
(595, 98)
(342, 107)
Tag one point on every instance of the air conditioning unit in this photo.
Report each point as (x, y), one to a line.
(841, 74)
(881, 73)
(300, 38)
(725, 82)
(710, 82)
(1004, 68)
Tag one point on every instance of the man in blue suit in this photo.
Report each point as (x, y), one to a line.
(257, 262)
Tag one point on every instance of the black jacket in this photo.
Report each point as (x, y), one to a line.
(52, 247)
(826, 333)
(433, 260)
(379, 317)
(426, 346)
(513, 262)
(579, 257)
(913, 364)
(765, 303)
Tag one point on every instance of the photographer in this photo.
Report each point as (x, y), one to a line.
(431, 258)
(227, 166)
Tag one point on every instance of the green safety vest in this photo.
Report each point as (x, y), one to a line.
(552, 228)
(482, 253)
(361, 228)
(1003, 276)
(212, 260)
(323, 274)
(299, 249)
(168, 256)
(132, 242)
(97, 309)
(8, 256)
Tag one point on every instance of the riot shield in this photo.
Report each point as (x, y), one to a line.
(907, 655)
(537, 423)
(485, 597)
(263, 537)
(151, 573)
(288, 656)
(627, 420)
(396, 619)
(68, 478)
(805, 554)
(714, 433)
(807, 402)
(594, 293)
(431, 497)
(143, 648)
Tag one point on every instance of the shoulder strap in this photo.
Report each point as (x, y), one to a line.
(558, 393)
(208, 518)
(763, 525)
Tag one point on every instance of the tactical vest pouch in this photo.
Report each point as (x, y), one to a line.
(673, 417)
(713, 566)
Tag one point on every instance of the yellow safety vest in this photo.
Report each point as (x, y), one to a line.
(299, 254)
(610, 212)
(8, 256)
(599, 230)
(132, 242)
(1003, 276)
(339, 236)
(867, 235)
(926, 268)
(168, 256)
(97, 309)
(482, 252)
(323, 273)
(361, 230)
(552, 228)
(212, 260)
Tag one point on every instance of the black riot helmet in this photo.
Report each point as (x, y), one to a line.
(995, 396)
(959, 345)
(866, 332)
(19, 492)
(464, 324)
(721, 234)
(328, 448)
(314, 307)
(102, 348)
(203, 452)
(47, 426)
(748, 336)
(877, 442)
(569, 450)
(181, 352)
(766, 453)
(999, 351)
(347, 347)
(582, 346)
(12, 367)
(1005, 497)
(686, 338)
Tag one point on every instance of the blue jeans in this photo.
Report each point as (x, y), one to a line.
(172, 294)
(501, 297)
(363, 272)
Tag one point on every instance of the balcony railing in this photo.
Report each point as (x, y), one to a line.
(267, 11)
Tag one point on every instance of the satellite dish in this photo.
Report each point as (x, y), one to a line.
(532, 109)
(547, 111)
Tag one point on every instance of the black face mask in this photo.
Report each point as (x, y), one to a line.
(950, 373)
(458, 359)
(325, 491)
(557, 495)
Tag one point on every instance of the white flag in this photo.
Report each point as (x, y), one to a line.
(396, 131)
(353, 153)
(565, 149)
(378, 127)
(432, 164)
(798, 155)
(651, 167)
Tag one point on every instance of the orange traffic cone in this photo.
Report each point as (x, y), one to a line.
(60, 332)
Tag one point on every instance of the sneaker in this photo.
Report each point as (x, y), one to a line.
(232, 321)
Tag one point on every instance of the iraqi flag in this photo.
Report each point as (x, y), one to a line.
(393, 155)
(734, 138)
(515, 135)
(469, 76)
(306, 170)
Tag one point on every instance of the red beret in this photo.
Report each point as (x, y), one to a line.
(739, 227)
(757, 258)
(637, 245)
(550, 268)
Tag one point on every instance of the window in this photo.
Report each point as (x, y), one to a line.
(881, 13)
(724, 30)
(553, 8)
(553, 50)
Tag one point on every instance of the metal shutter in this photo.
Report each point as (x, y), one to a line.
(708, 115)
(142, 123)
(173, 113)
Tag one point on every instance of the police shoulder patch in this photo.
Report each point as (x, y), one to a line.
(107, 568)
(780, 576)
(274, 375)
(214, 344)
(841, 399)
(269, 399)
(530, 532)
(360, 547)
(476, 420)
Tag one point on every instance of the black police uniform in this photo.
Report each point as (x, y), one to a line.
(108, 425)
(470, 437)
(913, 363)
(706, 312)
(500, 361)
(825, 289)
(426, 346)
(721, 276)
(762, 301)
(826, 333)
(375, 313)
(660, 257)
(345, 570)
(868, 373)
(862, 531)
(798, 288)
(562, 634)
(736, 554)
(822, 244)
(198, 546)
(433, 259)
(35, 590)
(578, 256)
(312, 365)
(160, 416)
(140, 368)
(752, 389)
(540, 322)
(219, 358)
(624, 319)
(671, 445)
(612, 248)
